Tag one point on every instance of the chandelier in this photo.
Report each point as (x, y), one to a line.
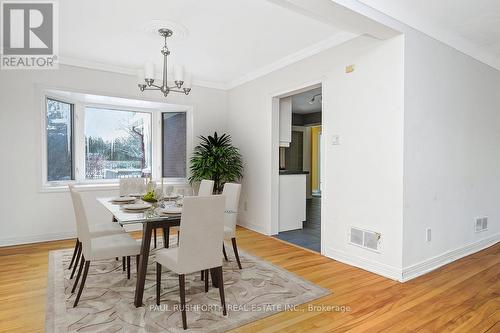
(146, 79)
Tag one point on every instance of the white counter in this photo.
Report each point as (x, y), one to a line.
(292, 202)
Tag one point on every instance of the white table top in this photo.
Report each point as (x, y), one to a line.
(124, 217)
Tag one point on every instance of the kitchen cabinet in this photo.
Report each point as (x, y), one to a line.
(285, 121)
(292, 201)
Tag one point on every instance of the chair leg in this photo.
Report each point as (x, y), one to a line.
(178, 236)
(74, 254)
(128, 267)
(221, 291)
(78, 254)
(154, 235)
(124, 264)
(206, 280)
(182, 289)
(84, 278)
(224, 251)
(82, 261)
(158, 283)
(235, 249)
(202, 275)
(137, 257)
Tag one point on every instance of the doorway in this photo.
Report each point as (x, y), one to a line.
(299, 214)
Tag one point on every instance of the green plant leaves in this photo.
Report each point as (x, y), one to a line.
(217, 159)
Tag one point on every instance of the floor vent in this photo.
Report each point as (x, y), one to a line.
(481, 224)
(364, 238)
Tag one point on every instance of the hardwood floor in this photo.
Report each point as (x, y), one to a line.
(461, 297)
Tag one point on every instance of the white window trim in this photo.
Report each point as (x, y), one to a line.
(80, 103)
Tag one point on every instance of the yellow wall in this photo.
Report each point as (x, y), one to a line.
(315, 130)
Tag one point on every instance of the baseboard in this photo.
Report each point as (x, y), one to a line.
(253, 227)
(431, 264)
(52, 236)
(376, 267)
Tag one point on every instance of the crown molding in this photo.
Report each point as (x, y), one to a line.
(309, 51)
(403, 22)
(75, 62)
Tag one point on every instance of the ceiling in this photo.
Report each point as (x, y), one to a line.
(472, 26)
(300, 102)
(225, 39)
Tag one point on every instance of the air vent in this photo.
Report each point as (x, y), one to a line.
(481, 224)
(364, 238)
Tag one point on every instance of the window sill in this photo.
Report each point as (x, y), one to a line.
(110, 186)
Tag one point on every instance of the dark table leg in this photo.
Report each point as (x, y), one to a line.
(143, 264)
(214, 275)
(166, 236)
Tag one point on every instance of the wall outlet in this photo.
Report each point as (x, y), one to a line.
(428, 235)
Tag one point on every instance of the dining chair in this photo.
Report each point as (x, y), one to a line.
(132, 185)
(206, 187)
(98, 248)
(199, 248)
(96, 230)
(232, 193)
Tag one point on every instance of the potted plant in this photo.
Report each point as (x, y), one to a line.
(217, 159)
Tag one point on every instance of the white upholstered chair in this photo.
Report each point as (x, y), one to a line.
(96, 230)
(206, 188)
(202, 228)
(98, 248)
(132, 185)
(232, 193)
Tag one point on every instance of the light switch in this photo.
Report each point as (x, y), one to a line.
(335, 140)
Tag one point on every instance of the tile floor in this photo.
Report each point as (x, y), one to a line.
(310, 236)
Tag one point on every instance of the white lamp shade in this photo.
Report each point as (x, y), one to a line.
(149, 70)
(140, 76)
(178, 73)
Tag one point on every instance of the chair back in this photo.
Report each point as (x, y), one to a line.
(206, 188)
(132, 185)
(82, 225)
(232, 193)
(201, 233)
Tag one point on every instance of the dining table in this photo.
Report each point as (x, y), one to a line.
(151, 218)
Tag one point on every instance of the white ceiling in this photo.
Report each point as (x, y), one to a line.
(226, 40)
(300, 102)
(472, 26)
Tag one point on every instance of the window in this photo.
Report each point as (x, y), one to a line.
(117, 143)
(94, 139)
(59, 131)
(174, 144)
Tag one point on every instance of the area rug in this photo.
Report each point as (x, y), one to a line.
(258, 290)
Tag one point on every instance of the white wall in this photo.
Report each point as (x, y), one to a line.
(452, 156)
(363, 175)
(27, 214)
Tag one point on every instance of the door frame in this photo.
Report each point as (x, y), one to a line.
(274, 99)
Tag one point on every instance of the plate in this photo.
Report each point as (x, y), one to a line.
(136, 195)
(171, 196)
(172, 210)
(137, 206)
(123, 199)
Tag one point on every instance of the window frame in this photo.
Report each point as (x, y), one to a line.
(80, 102)
(174, 179)
(45, 152)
